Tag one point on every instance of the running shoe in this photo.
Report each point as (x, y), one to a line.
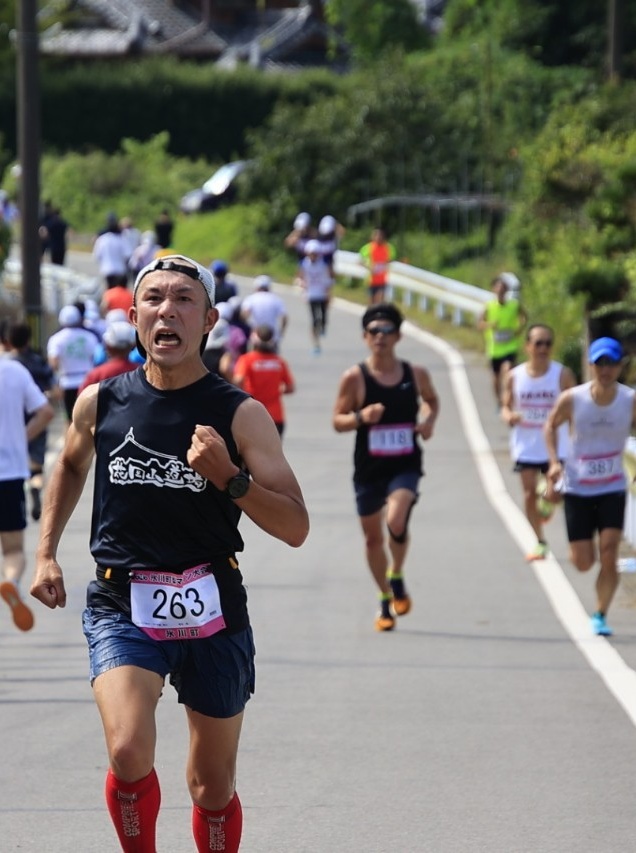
(385, 620)
(600, 626)
(22, 616)
(545, 508)
(401, 600)
(539, 552)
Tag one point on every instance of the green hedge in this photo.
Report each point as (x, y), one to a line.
(206, 111)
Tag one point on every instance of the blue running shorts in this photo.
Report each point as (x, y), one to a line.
(214, 676)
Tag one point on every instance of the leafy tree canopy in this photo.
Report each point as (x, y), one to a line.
(373, 26)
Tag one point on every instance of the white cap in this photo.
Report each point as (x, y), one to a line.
(180, 264)
(312, 247)
(70, 316)
(226, 311)
(115, 315)
(327, 225)
(262, 282)
(120, 335)
(219, 335)
(303, 220)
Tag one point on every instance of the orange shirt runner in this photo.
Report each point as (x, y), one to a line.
(266, 376)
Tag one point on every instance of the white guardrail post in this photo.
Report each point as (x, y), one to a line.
(60, 285)
(444, 293)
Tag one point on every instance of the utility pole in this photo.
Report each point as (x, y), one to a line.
(615, 19)
(28, 101)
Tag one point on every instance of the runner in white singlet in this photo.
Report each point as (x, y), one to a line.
(530, 391)
(601, 414)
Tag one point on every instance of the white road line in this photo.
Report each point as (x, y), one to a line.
(619, 678)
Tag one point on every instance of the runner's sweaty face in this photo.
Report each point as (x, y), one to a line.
(172, 313)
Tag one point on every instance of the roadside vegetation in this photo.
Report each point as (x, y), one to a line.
(511, 103)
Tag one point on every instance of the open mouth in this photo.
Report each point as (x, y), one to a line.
(167, 339)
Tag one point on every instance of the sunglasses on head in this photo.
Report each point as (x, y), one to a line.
(381, 330)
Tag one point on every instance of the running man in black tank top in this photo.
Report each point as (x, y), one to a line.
(179, 455)
(391, 405)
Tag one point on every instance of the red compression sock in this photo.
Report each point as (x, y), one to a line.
(133, 808)
(219, 831)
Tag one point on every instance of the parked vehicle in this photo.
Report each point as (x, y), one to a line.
(219, 189)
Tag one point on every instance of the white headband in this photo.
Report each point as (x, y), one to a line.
(170, 262)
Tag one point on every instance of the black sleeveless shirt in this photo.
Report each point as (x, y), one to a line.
(401, 403)
(151, 510)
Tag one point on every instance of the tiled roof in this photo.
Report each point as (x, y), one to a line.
(146, 25)
(157, 26)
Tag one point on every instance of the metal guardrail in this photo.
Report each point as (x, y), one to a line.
(446, 294)
(451, 299)
(60, 285)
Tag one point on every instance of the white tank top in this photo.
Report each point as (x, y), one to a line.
(534, 397)
(595, 463)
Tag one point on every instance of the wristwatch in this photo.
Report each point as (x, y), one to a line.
(238, 485)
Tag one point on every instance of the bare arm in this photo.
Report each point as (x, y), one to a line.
(63, 493)
(567, 379)
(39, 420)
(348, 413)
(483, 322)
(429, 407)
(508, 414)
(560, 414)
(274, 500)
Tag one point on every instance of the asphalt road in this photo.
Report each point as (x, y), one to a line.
(489, 720)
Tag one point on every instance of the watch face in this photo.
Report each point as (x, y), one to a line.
(238, 486)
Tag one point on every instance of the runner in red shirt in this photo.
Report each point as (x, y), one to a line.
(265, 375)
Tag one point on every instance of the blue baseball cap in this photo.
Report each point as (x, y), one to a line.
(608, 347)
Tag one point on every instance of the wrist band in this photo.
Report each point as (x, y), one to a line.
(358, 418)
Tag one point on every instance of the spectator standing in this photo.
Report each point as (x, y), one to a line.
(20, 400)
(57, 228)
(43, 228)
(316, 281)
(265, 375)
(70, 353)
(19, 339)
(264, 308)
(376, 255)
(164, 228)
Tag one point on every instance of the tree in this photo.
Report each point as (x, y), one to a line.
(372, 26)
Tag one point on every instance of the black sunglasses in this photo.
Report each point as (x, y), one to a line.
(543, 342)
(381, 330)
